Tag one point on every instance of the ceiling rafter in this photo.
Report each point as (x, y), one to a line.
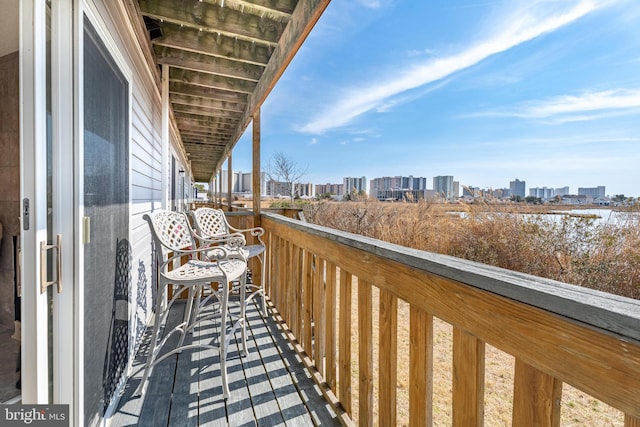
(279, 9)
(207, 92)
(205, 112)
(207, 120)
(214, 104)
(208, 64)
(216, 19)
(214, 44)
(212, 81)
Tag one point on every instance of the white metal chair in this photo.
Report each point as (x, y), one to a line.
(212, 224)
(174, 239)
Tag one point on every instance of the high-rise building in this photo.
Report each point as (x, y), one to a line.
(443, 185)
(335, 189)
(241, 182)
(303, 190)
(398, 188)
(543, 193)
(351, 185)
(594, 192)
(518, 188)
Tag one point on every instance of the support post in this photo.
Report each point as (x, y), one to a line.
(256, 175)
(229, 181)
(165, 137)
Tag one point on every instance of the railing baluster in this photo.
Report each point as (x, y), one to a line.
(287, 284)
(296, 285)
(420, 368)
(388, 358)
(344, 338)
(631, 421)
(268, 258)
(365, 354)
(320, 319)
(280, 269)
(307, 304)
(330, 328)
(536, 397)
(318, 316)
(468, 379)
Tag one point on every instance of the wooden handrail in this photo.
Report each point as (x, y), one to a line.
(558, 333)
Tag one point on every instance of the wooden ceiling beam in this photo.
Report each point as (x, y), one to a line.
(205, 143)
(215, 104)
(205, 129)
(206, 121)
(214, 44)
(207, 92)
(195, 124)
(207, 64)
(216, 19)
(204, 112)
(206, 150)
(204, 136)
(212, 81)
(277, 9)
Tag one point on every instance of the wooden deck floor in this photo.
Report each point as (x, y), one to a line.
(269, 387)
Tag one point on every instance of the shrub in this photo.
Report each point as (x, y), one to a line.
(572, 249)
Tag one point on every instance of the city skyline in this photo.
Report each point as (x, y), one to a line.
(547, 91)
(353, 180)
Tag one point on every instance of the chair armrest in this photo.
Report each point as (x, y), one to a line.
(221, 254)
(255, 231)
(233, 240)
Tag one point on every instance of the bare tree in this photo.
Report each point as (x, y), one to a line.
(282, 169)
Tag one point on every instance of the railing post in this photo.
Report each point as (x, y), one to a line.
(308, 302)
(330, 328)
(344, 339)
(631, 421)
(296, 294)
(468, 379)
(536, 397)
(365, 352)
(318, 316)
(388, 358)
(420, 367)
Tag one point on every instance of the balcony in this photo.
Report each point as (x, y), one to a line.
(358, 314)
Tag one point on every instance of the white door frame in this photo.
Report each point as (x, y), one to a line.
(33, 187)
(67, 31)
(65, 345)
(33, 158)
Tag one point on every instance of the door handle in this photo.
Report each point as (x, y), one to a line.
(44, 248)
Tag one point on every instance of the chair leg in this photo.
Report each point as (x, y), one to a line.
(160, 298)
(243, 312)
(262, 289)
(223, 339)
(186, 318)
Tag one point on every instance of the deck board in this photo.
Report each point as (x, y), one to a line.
(268, 386)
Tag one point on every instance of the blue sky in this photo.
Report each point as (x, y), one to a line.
(547, 91)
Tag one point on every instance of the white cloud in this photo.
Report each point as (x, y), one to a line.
(314, 141)
(574, 108)
(526, 23)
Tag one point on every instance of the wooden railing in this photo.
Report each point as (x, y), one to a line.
(328, 286)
